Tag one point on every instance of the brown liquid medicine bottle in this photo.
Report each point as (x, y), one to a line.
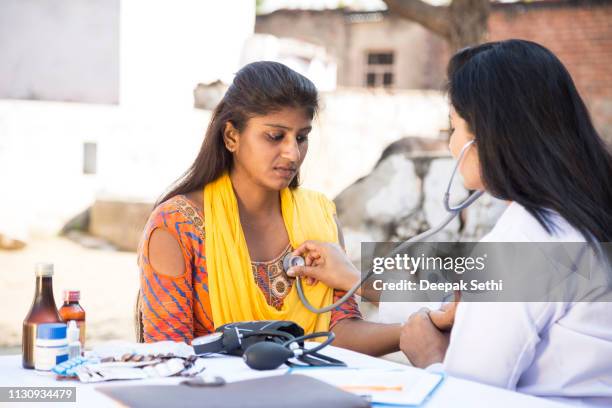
(43, 310)
(72, 310)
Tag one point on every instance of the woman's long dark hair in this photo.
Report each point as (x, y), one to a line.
(258, 89)
(536, 142)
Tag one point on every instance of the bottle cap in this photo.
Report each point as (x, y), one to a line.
(72, 295)
(51, 331)
(73, 331)
(44, 269)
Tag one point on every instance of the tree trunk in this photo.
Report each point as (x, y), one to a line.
(468, 22)
(461, 24)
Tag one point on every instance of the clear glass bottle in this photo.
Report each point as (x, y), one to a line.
(43, 310)
(72, 310)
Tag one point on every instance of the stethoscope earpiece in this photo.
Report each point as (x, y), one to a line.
(472, 197)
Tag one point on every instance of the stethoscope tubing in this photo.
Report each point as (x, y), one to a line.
(453, 212)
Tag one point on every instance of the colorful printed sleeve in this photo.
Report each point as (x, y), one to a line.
(167, 312)
(347, 310)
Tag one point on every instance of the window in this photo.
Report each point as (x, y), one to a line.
(379, 69)
(90, 158)
(387, 79)
(371, 79)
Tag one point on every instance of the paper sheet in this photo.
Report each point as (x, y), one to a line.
(398, 387)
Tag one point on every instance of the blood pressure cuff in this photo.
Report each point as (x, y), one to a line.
(235, 338)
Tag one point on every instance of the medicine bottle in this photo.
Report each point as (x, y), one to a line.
(43, 310)
(51, 346)
(72, 310)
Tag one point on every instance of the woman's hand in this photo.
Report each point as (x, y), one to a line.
(325, 262)
(421, 341)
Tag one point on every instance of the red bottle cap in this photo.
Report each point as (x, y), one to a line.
(72, 295)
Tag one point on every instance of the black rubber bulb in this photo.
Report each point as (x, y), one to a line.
(266, 355)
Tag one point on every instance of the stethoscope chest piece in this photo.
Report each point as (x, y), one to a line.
(291, 260)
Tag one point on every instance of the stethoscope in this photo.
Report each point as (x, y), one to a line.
(291, 260)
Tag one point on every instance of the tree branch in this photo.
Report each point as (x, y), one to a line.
(434, 18)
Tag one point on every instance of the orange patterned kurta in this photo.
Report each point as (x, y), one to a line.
(178, 308)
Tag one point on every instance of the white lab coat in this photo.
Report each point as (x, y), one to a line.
(557, 350)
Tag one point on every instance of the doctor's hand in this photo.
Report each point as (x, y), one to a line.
(421, 341)
(325, 262)
(444, 318)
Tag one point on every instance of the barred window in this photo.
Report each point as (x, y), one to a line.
(379, 69)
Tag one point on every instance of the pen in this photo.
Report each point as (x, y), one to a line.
(372, 388)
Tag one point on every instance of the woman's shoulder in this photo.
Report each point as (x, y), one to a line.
(179, 212)
(313, 196)
(173, 236)
(519, 225)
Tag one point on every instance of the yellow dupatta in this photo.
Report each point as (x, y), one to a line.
(234, 295)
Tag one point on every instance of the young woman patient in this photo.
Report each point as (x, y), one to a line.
(213, 247)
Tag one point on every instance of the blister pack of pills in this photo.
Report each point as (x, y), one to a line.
(130, 366)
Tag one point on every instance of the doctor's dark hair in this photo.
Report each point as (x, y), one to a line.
(258, 89)
(535, 139)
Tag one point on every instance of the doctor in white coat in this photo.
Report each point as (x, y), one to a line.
(534, 146)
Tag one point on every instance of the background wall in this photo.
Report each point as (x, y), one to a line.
(60, 50)
(348, 36)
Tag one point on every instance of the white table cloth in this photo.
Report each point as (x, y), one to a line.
(453, 392)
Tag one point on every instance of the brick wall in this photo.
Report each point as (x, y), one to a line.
(580, 34)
